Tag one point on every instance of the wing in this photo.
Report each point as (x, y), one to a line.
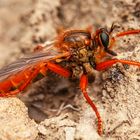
(48, 53)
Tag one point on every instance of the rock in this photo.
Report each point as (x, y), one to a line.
(15, 123)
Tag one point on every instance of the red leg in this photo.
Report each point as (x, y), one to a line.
(22, 87)
(41, 68)
(58, 69)
(83, 86)
(104, 65)
(130, 32)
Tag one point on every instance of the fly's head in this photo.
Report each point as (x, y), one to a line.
(102, 41)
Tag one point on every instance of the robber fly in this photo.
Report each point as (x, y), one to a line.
(81, 50)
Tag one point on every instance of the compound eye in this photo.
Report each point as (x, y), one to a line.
(104, 39)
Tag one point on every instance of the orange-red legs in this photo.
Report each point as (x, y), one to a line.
(121, 34)
(104, 65)
(84, 81)
(58, 69)
(42, 68)
(20, 88)
(83, 86)
(130, 32)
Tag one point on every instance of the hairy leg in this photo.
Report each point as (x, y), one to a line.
(83, 86)
(104, 65)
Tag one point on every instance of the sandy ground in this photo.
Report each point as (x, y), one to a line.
(56, 108)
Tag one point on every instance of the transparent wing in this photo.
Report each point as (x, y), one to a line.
(48, 53)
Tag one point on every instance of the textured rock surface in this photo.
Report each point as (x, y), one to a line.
(121, 97)
(15, 122)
